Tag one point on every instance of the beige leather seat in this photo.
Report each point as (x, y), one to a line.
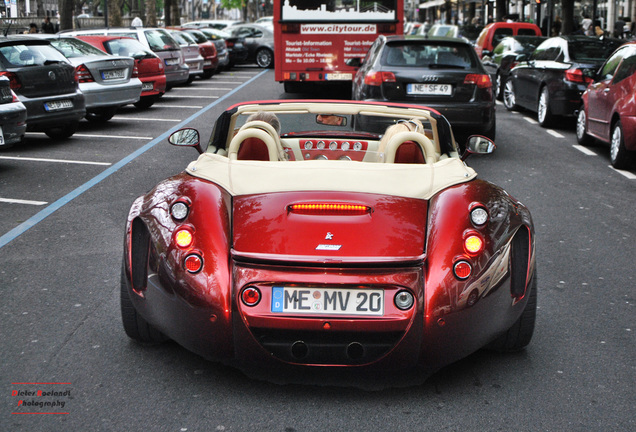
(256, 140)
(419, 149)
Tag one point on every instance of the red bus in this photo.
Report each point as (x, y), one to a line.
(314, 38)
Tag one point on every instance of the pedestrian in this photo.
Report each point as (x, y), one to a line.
(586, 25)
(556, 26)
(47, 26)
(33, 28)
(619, 28)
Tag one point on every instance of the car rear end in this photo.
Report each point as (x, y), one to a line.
(208, 51)
(162, 44)
(44, 82)
(222, 53)
(442, 74)
(13, 116)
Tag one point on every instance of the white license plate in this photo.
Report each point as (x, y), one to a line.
(194, 66)
(172, 61)
(207, 63)
(113, 74)
(58, 105)
(339, 77)
(147, 86)
(429, 89)
(327, 301)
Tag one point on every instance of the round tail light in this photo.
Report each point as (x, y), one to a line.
(473, 244)
(193, 263)
(251, 296)
(462, 270)
(183, 238)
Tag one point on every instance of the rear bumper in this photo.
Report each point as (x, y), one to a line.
(177, 76)
(158, 85)
(39, 119)
(13, 121)
(112, 95)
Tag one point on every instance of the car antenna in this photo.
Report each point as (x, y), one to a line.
(6, 32)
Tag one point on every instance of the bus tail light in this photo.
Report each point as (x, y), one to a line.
(386, 28)
(377, 78)
(290, 28)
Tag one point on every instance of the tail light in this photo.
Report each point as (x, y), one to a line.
(329, 209)
(135, 72)
(480, 80)
(462, 270)
(14, 96)
(473, 244)
(14, 81)
(290, 28)
(193, 263)
(576, 76)
(377, 78)
(83, 75)
(251, 296)
(229, 43)
(184, 237)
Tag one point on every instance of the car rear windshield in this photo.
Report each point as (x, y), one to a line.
(126, 47)
(72, 47)
(429, 56)
(591, 50)
(160, 41)
(20, 55)
(197, 36)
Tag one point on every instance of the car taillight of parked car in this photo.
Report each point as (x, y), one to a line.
(135, 72)
(480, 80)
(83, 75)
(14, 81)
(577, 76)
(377, 78)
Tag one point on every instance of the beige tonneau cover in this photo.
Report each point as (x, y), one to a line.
(240, 177)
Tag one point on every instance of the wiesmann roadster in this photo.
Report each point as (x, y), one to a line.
(330, 244)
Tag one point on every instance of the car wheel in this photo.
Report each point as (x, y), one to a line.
(581, 128)
(63, 132)
(544, 116)
(264, 58)
(207, 74)
(620, 157)
(509, 98)
(135, 326)
(190, 79)
(499, 87)
(101, 116)
(519, 335)
(146, 102)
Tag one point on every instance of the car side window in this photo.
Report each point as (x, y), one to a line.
(499, 34)
(609, 68)
(626, 69)
(527, 32)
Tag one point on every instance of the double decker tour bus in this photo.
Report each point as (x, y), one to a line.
(314, 38)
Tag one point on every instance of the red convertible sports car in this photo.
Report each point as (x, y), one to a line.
(316, 235)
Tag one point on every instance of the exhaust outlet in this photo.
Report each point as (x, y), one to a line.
(299, 350)
(355, 351)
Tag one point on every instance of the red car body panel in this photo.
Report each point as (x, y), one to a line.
(150, 69)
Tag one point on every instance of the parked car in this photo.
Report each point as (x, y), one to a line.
(608, 112)
(555, 76)
(440, 30)
(157, 40)
(215, 24)
(208, 51)
(505, 56)
(267, 21)
(150, 68)
(107, 81)
(346, 254)
(237, 51)
(45, 82)
(493, 33)
(442, 73)
(13, 115)
(259, 41)
(191, 55)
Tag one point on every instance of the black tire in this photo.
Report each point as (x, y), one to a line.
(207, 74)
(62, 132)
(581, 128)
(499, 87)
(519, 335)
(190, 79)
(146, 102)
(264, 58)
(101, 116)
(620, 157)
(509, 97)
(544, 115)
(135, 326)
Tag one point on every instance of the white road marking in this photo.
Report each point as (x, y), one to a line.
(584, 150)
(530, 120)
(101, 136)
(206, 88)
(54, 160)
(185, 106)
(189, 96)
(554, 133)
(146, 119)
(228, 82)
(19, 201)
(629, 175)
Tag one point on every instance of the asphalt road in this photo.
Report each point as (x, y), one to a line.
(60, 257)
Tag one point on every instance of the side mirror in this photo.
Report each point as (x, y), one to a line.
(354, 62)
(186, 137)
(478, 144)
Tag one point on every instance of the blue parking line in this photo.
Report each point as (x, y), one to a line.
(46, 212)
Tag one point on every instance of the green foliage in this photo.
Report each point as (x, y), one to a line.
(232, 4)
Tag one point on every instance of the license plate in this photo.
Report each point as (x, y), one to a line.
(172, 61)
(194, 66)
(429, 89)
(327, 301)
(339, 77)
(113, 74)
(147, 86)
(207, 63)
(58, 105)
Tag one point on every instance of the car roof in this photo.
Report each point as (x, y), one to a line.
(427, 40)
